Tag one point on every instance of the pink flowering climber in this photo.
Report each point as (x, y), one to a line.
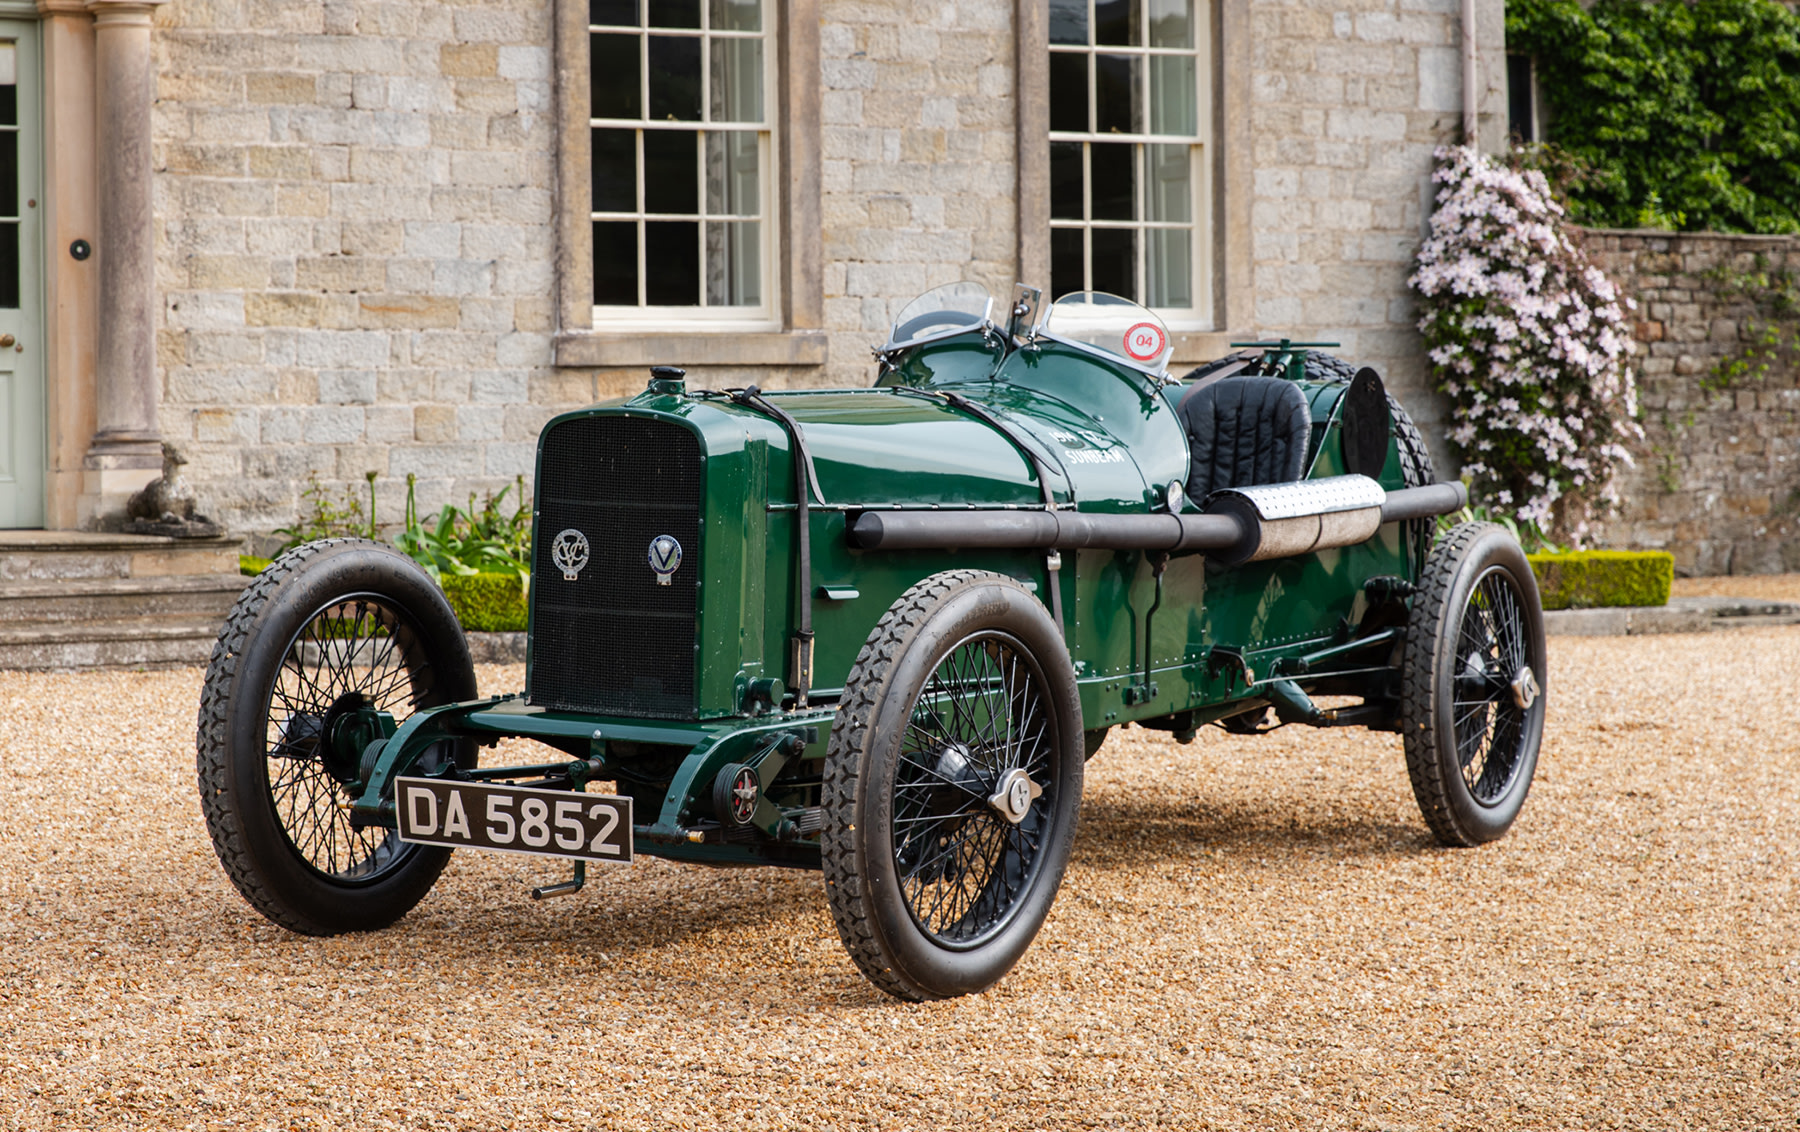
(1511, 303)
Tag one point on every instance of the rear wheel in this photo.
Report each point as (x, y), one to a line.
(1473, 685)
(1415, 471)
(952, 785)
(327, 639)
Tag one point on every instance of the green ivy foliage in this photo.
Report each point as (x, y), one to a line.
(1686, 113)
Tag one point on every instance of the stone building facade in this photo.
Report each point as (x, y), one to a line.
(370, 218)
(1716, 478)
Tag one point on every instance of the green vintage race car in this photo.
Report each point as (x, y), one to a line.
(879, 632)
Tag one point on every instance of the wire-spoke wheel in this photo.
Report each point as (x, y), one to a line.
(952, 785)
(979, 731)
(1473, 700)
(333, 640)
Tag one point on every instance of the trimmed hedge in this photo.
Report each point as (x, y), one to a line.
(1589, 579)
(486, 603)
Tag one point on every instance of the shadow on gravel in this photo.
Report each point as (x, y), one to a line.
(1127, 834)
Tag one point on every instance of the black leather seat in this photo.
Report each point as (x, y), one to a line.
(1244, 431)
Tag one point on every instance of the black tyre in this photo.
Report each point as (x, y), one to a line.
(1327, 367)
(1415, 458)
(1415, 471)
(952, 786)
(1473, 685)
(329, 628)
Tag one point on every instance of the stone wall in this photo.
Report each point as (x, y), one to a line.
(355, 215)
(1717, 476)
(354, 204)
(1350, 101)
(918, 151)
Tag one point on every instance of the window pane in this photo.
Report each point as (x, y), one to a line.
(9, 168)
(737, 80)
(674, 78)
(736, 15)
(733, 264)
(619, 13)
(1069, 92)
(674, 13)
(1116, 21)
(1065, 181)
(1112, 181)
(1172, 109)
(9, 105)
(615, 263)
(1068, 21)
(1066, 270)
(733, 168)
(1116, 94)
(671, 171)
(672, 261)
(1168, 267)
(615, 76)
(1115, 261)
(1171, 24)
(1519, 119)
(615, 170)
(1168, 191)
(9, 265)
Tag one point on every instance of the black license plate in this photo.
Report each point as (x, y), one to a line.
(514, 819)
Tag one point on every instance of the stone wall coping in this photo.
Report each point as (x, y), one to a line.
(1665, 234)
(77, 541)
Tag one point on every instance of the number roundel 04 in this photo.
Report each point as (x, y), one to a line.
(1145, 342)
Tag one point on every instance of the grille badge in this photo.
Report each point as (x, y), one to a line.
(570, 553)
(665, 558)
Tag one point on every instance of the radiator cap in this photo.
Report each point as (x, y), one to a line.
(668, 379)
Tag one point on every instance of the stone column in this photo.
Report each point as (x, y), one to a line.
(71, 288)
(126, 451)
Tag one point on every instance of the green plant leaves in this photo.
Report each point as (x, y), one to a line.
(483, 539)
(480, 540)
(1688, 114)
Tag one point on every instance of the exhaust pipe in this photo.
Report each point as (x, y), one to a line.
(1239, 525)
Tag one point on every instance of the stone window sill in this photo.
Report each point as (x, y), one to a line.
(771, 348)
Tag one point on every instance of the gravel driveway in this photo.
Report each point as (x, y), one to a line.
(1255, 933)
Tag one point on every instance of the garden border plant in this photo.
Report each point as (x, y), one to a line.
(480, 557)
(1591, 579)
(1529, 341)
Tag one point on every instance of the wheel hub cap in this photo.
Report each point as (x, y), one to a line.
(1525, 688)
(1016, 794)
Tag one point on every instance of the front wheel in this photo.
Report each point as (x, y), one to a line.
(330, 639)
(1473, 685)
(952, 785)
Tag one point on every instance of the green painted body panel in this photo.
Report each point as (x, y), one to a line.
(971, 356)
(875, 447)
(1110, 439)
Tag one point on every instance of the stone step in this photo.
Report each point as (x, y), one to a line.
(1681, 615)
(102, 599)
(124, 642)
(45, 556)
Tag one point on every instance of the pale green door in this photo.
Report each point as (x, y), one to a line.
(21, 285)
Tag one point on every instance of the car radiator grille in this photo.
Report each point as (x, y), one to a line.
(613, 641)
